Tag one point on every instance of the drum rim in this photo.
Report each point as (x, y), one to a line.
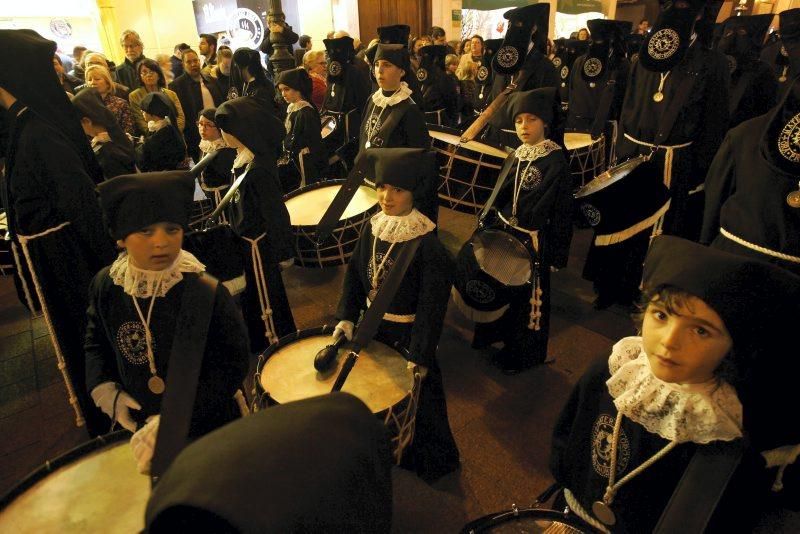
(608, 178)
(63, 460)
(320, 185)
(492, 519)
(458, 134)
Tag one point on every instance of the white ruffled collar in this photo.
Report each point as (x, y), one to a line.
(400, 228)
(243, 157)
(207, 146)
(100, 139)
(527, 152)
(143, 284)
(700, 413)
(154, 126)
(398, 96)
(297, 106)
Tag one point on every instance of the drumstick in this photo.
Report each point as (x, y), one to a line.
(346, 368)
(203, 163)
(483, 119)
(326, 356)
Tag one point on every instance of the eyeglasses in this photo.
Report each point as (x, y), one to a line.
(204, 125)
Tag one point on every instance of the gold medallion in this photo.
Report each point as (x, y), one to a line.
(793, 199)
(156, 385)
(604, 513)
(592, 84)
(658, 97)
(782, 79)
(367, 144)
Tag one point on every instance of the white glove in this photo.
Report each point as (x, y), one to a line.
(285, 264)
(143, 443)
(104, 396)
(344, 328)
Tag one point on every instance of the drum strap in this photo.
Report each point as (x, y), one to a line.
(501, 180)
(700, 488)
(188, 347)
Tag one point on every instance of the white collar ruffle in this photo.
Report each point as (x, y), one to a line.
(142, 283)
(700, 413)
(400, 228)
(382, 101)
(154, 126)
(207, 146)
(243, 157)
(527, 152)
(291, 108)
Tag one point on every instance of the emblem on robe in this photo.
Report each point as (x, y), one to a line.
(132, 343)
(422, 74)
(602, 433)
(564, 72)
(483, 73)
(591, 214)
(556, 62)
(789, 140)
(663, 44)
(334, 68)
(480, 292)
(507, 56)
(592, 67)
(531, 178)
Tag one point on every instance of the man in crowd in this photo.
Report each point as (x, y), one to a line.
(133, 47)
(177, 58)
(208, 49)
(68, 82)
(221, 73)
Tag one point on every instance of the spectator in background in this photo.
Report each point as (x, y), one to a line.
(476, 48)
(77, 53)
(133, 47)
(583, 34)
(165, 62)
(643, 27)
(314, 63)
(177, 58)
(416, 44)
(68, 82)
(439, 37)
(164, 149)
(466, 72)
(221, 74)
(99, 78)
(153, 81)
(305, 46)
(208, 49)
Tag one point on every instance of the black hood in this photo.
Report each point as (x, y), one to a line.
(247, 119)
(671, 36)
(340, 53)
(525, 25)
(606, 49)
(742, 38)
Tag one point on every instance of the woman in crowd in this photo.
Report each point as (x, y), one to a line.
(153, 80)
(316, 66)
(215, 178)
(100, 78)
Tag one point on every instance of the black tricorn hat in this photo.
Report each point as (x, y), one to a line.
(160, 105)
(523, 21)
(297, 79)
(395, 34)
(539, 102)
(432, 56)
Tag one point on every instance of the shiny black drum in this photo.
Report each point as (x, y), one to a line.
(624, 200)
(490, 267)
(528, 520)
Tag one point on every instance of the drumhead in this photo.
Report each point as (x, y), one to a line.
(576, 140)
(307, 205)
(380, 377)
(611, 176)
(502, 256)
(94, 488)
(328, 125)
(530, 520)
(477, 146)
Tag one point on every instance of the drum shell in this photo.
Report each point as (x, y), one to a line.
(219, 249)
(531, 520)
(587, 160)
(339, 246)
(626, 202)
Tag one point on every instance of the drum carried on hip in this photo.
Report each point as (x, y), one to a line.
(587, 157)
(306, 207)
(92, 488)
(493, 265)
(624, 200)
(529, 520)
(468, 171)
(381, 379)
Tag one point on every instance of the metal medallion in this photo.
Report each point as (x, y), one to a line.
(592, 84)
(422, 74)
(793, 199)
(658, 97)
(604, 513)
(513, 221)
(156, 385)
(367, 144)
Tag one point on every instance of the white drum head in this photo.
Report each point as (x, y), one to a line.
(574, 141)
(471, 145)
(503, 257)
(306, 209)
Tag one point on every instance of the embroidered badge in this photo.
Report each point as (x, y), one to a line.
(507, 56)
(422, 74)
(789, 140)
(334, 68)
(591, 214)
(531, 178)
(132, 343)
(387, 267)
(663, 44)
(602, 433)
(556, 62)
(483, 73)
(564, 72)
(480, 292)
(593, 67)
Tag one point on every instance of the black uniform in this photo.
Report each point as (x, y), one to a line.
(163, 150)
(303, 132)
(439, 93)
(115, 158)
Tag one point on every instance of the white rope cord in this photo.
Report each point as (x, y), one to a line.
(405, 420)
(62, 363)
(261, 289)
(759, 248)
(22, 281)
(668, 156)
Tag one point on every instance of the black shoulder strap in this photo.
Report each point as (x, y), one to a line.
(501, 180)
(396, 114)
(699, 490)
(188, 347)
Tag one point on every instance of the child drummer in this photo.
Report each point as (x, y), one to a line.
(705, 369)
(535, 199)
(415, 316)
(134, 304)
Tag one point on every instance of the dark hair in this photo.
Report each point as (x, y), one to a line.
(155, 67)
(437, 32)
(58, 58)
(77, 50)
(644, 20)
(304, 40)
(183, 54)
(210, 39)
(478, 36)
(734, 367)
(182, 47)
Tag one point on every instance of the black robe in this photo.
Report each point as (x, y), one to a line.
(114, 159)
(163, 150)
(424, 291)
(304, 132)
(439, 98)
(585, 98)
(46, 185)
(345, 98)
(544, 204)
(580, 461)
(116, 352)
(218, 173)
(753, 92)
(746, 195)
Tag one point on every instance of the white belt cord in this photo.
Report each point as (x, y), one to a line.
(578, 510)
(261, 289)
(759, 248)
(668, 156)
(62, 363)
(535, 316)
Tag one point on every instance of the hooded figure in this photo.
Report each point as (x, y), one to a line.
(217, 176)
(563, 61)
(248, 78)
(439, 95)
(675, 108)
(260, 217)
(164, 149)
(112, 148)
(529, 69)
(415, 316)
(783, 53)
(304, 160)
(485, 75)
(604, 68)
(753, 84)
(54, 220)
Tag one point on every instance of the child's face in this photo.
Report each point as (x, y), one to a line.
(687, 345)
(290, 95)
(394, 200)
(530, 128)
(155, 247)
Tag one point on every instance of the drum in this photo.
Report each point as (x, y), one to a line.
(328, 125)
(381, 378)
(306, 207)
(490, 268)
(92, 488)
(7, 266)
(528, 520)
(220, 250)
(587, 157)
(624, 200)
(468, 172)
